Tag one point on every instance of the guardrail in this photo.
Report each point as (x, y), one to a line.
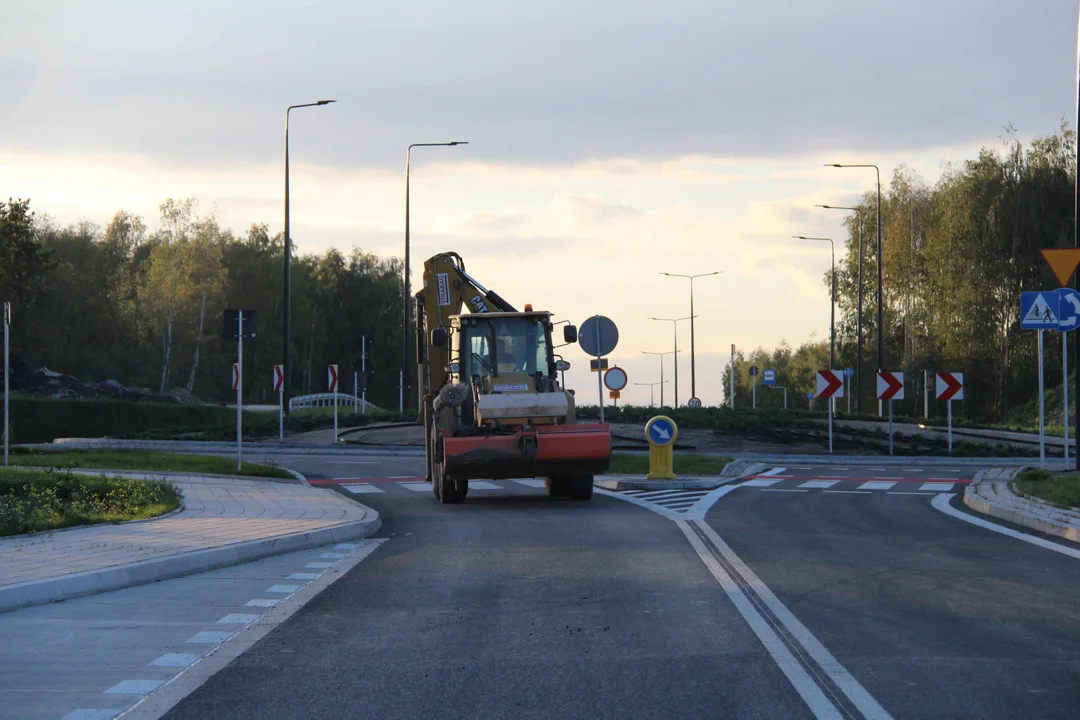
(304, 402)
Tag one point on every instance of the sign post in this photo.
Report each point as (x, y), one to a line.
(279, 388)
(598, 337)
(926, 394)
(1041, 310)
(950, 386)
(7, 388)
(890, 386)
(829, 386)
(754, 374)
(848, 374)
(238, 379)
(733, 376)
(1068, 320)
(332, 381)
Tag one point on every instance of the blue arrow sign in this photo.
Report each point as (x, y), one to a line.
(768, 377)
(1040, 310)
(661, 431)
(1069, 317)
(849, 372)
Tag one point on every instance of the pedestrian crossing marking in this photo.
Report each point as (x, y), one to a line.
(483, 485)
(822, 484)
(415, 486)
(760, 482)
(531, 482)
(362, 488)
(937, 486)
(877, 485)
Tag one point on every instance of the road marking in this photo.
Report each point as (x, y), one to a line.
(848, 492)
(401, 477)
(876, 469)
(287, 589)
(876, 485)
(782, 490)
(888, 478)
(210, 638)
(904, 492)
(238, 619)
(914, 469)
(818, 483)
(302, 576)
(800, 468)
(483, 485)
(319, 565)
(89, 714)
(175, 660)
(333, 556)
(666, 494)
(836, 477)
(345, 546)
(838, 468)
(353, 462)
(415, 486)
(532, 482)
(362, 488)
(262, 602)
(759, 482)
(937, 486)
(658, 509)
(773, 471)
(941, 502)
(134, 687)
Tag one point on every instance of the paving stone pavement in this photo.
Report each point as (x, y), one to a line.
(217, 512)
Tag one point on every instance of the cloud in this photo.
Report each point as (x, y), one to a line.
(591, 208)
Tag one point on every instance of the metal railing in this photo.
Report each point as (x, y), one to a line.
(304, 402)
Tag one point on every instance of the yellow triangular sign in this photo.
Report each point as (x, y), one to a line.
(1063, 262)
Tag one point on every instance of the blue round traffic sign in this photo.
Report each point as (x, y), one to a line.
(849, 372)
(661, 431)
(810, 396)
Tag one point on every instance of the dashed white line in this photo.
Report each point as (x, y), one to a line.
(848, 492)
(908, 492)
(402, 477)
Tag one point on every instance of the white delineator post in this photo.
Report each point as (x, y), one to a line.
(7, 388)
(239, 387)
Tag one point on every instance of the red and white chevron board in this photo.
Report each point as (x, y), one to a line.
(950, 386)
(279, 378)
(830, 384)
(235, 376)
(890, 385)
(331, 380)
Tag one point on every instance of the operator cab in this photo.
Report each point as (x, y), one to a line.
(503, 352)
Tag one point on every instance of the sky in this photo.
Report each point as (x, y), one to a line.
(608, 141)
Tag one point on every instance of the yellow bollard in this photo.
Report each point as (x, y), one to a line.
(661, 432)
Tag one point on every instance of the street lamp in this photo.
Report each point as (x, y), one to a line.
(880, 263)
(406, 325)
(288, 259)
(661, 355)
(693, 367)
(859, 313)
(832, 293)
(674, 327)
(652, 386)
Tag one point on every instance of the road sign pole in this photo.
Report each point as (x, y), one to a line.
(239, 388)
(281, 415)
(755, 392)
(949, 404)
(363, 369)
(925, 394)
(600, 374)
(785, 396)
(1065, 390)
(890, 429)
(830, 425)
(847, 391)
(7, 387)
(732, 377)
(1042, 407)
(401, 392)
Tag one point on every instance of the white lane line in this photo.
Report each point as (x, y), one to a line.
(532, 482)
(362, 488)
(773, 471)
(915, 469)
(287, 589)
(834, 477)
(483, 485)
(333, 556)
(941, 502)
(415, 486)
(92, 714)
(904, 492)
(302, 576)
(796, 674)
(346, 546)
(877, 485)
(843, 679)
(782, 490)
(759, 482)
(848, 492)
(402, 477)
(876, 469)
(701, 507)
(319, 565)
(821, 484)
(354, 462)
(134, 687)
(800, 468)
(209, 638)
(937, 486)
(175, 660)
(662, 494)
(238, 619)
(262, 602)
(658, 509)
(837, 468)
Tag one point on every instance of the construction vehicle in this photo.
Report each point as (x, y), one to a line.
(489, 396)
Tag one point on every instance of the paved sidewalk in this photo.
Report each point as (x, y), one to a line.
(224, 521)
(991, 494)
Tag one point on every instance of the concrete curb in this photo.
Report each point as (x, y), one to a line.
(742, 468)
(201, 446)
(41, 592)
(638, 482)
(977, 501)
(169, 474)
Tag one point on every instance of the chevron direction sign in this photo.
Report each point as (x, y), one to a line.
(950, 386)
(830, 384)
(890, 385)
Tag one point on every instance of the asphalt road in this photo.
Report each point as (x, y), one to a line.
(853, 596)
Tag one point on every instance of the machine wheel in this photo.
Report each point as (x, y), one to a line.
(557, 486)
(452, 489)
(581, 487)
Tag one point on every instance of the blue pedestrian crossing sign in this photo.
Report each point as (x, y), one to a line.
(1069, 317)
(768, 377)
(1040, 310)
(661, 431)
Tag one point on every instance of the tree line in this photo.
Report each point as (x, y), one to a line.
(146, 307)
(957, 255)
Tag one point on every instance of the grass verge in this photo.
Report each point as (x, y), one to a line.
(685, 464)
(149, 460)
(1062, 490)
(37, 500)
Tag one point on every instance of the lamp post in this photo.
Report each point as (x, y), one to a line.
(858, 318)
(693, 367)
(880, 263)
(661, 355)
(406, 325)
(652, 386)
(675, 330)
(286, 309)
(832, 302)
